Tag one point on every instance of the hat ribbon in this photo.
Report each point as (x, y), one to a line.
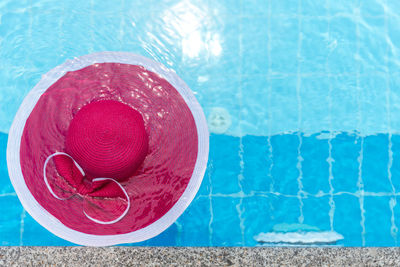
(74, 175)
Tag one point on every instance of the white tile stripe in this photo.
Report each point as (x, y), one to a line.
(239, 207)
(210, 229)
(392, 201)
(298, 89)
(22, 226)
(330, 159)
(269, 64)
(360, 183)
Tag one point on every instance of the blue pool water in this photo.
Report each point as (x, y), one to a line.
(302, 99)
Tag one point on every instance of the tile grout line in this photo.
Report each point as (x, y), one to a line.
(269, 66)
(360, 182)
(23, 213)
(299, 107)
(239, 207)
(330, 159)
(321, 194)
(22, 227)
(392, 201)
(210, 229)
(92, 27)
(122, 25)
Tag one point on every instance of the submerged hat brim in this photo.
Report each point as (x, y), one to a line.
(164, 185)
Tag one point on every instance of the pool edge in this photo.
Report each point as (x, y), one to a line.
(223, 256)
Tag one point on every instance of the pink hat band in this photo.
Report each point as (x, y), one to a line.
(105, 139)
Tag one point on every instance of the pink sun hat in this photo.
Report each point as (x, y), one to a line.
(108, 148)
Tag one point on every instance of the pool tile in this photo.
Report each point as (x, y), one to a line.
(285, 159)
(314, 8)
(10, 219)
(393, 34)
(316, 212)
(316, 113)
(375, 50)
(254, 8)
(36, 235)
(284, 45)
(256, 175)
(315, 168)
(374, 7)
(315, 45)
(254, 45)
(112, 40)
(395, 169)
(345, 167)
(5, 183)
(378, 221)
(374, 110)
(284, 209)
(255, 113)
(195, 223)
(345, 113)
(43, 23)
(225, 162)
(394, 98)
(258, 217)
(167, 238)
(347, 219)
(283, 107)
(225, 224)
(375, 164)
(342, 57)
(343, 7)
(285, 8)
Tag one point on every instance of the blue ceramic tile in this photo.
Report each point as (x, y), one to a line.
(224, 158)
(347, 219)
(345, 168)
(257, 176)
(284, 44)
(258, 217)
(254, 45)
(5, 184)
(316, 113)
(284, 210)
(225, 224)
(395, 169)
(373, 7)
(195, 223)
(314, 8)
(282, 8)
(319, 219)
(35, 235)
(315, 167)
(343, 7)
(285, 159)
(315, 47)
(10, 221)
(254, 7)
(375, 164)
(374, 111)
(378, 222)
(375, 48)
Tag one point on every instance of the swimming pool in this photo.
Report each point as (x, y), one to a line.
(301, 98)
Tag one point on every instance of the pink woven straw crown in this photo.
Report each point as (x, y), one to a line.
(107, 139)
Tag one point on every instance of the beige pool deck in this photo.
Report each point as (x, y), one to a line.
(169, 256)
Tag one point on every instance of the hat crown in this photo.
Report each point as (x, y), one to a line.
(107, 139)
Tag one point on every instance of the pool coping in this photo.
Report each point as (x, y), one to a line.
(198, 256)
